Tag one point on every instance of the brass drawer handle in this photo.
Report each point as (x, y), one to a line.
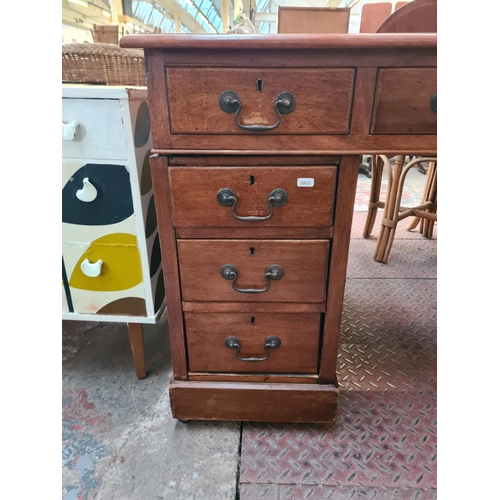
(229, 102)
(234, 343)
(277, 198)
(274, 272)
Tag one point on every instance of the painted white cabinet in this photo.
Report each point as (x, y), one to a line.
(110, 247)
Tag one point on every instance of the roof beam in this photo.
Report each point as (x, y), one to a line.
(186, 19)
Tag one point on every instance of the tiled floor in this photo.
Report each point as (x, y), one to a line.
(121, 442)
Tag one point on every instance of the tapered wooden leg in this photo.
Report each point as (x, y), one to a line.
(137, 345)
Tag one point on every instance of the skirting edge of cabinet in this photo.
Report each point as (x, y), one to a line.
(269, 378)
(257, 402)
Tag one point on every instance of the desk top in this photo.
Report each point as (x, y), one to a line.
(333, 41)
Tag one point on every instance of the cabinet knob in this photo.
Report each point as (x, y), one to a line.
(69, 130)
(91, 270)
(88, 192)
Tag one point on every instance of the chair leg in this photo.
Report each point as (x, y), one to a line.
(391, 212)
(426, 196)
(377, 171)
(137, 344)
(432, 197)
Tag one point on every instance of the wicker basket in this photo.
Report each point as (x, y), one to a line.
(102, 63)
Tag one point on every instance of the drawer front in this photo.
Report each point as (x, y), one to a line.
(290, 342)
(403, 101)
(96, 194)
(209, 269)
(198, 196)
(105, 277)
(99, 133)
(322, 100)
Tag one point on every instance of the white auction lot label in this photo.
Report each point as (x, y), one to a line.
(305, 182)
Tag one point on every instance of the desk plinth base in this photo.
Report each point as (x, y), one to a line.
(256, 402)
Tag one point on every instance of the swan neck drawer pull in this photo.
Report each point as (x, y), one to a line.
(274, 273)
(270, 343)
(229, 102)
(226, 198)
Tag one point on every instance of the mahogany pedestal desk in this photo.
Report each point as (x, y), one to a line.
(256, 151)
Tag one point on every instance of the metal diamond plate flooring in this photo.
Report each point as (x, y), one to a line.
(383, 445)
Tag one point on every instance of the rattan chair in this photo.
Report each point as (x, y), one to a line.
(102, 63)
(425, 212)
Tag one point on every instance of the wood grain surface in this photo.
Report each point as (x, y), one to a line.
(304, 263)
(323, 99)
(253, 401)
(194, 195)
(298, 333)
(402, 101)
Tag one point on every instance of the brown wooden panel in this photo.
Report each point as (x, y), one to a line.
(298, 333)
(336, 144)
(157, 96)
(420, 55)
(364, 91)
(270, 378)
(159, 174)
(244, 158)
(304, 263)
(308, 403)
(264, 233)
(346, 195)
(194, 195)
(249, 307)
(323, 99)
(402, 101)
(312, 20)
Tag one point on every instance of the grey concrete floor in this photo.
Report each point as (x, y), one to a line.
(119, 438)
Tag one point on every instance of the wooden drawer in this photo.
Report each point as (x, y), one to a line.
(296, 351)
(322, 100)
(105, 276)
(99, 134)
(403, 101)
(303, 262)
(309, 193)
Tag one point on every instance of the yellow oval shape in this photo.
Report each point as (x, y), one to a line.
(121, 268)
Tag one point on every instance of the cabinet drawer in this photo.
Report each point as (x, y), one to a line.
(209, 269)
(322, 100)
(403, 101)
(105, 276)
(295, 351)
(305, 196)
(99, 134)
(96, 194)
